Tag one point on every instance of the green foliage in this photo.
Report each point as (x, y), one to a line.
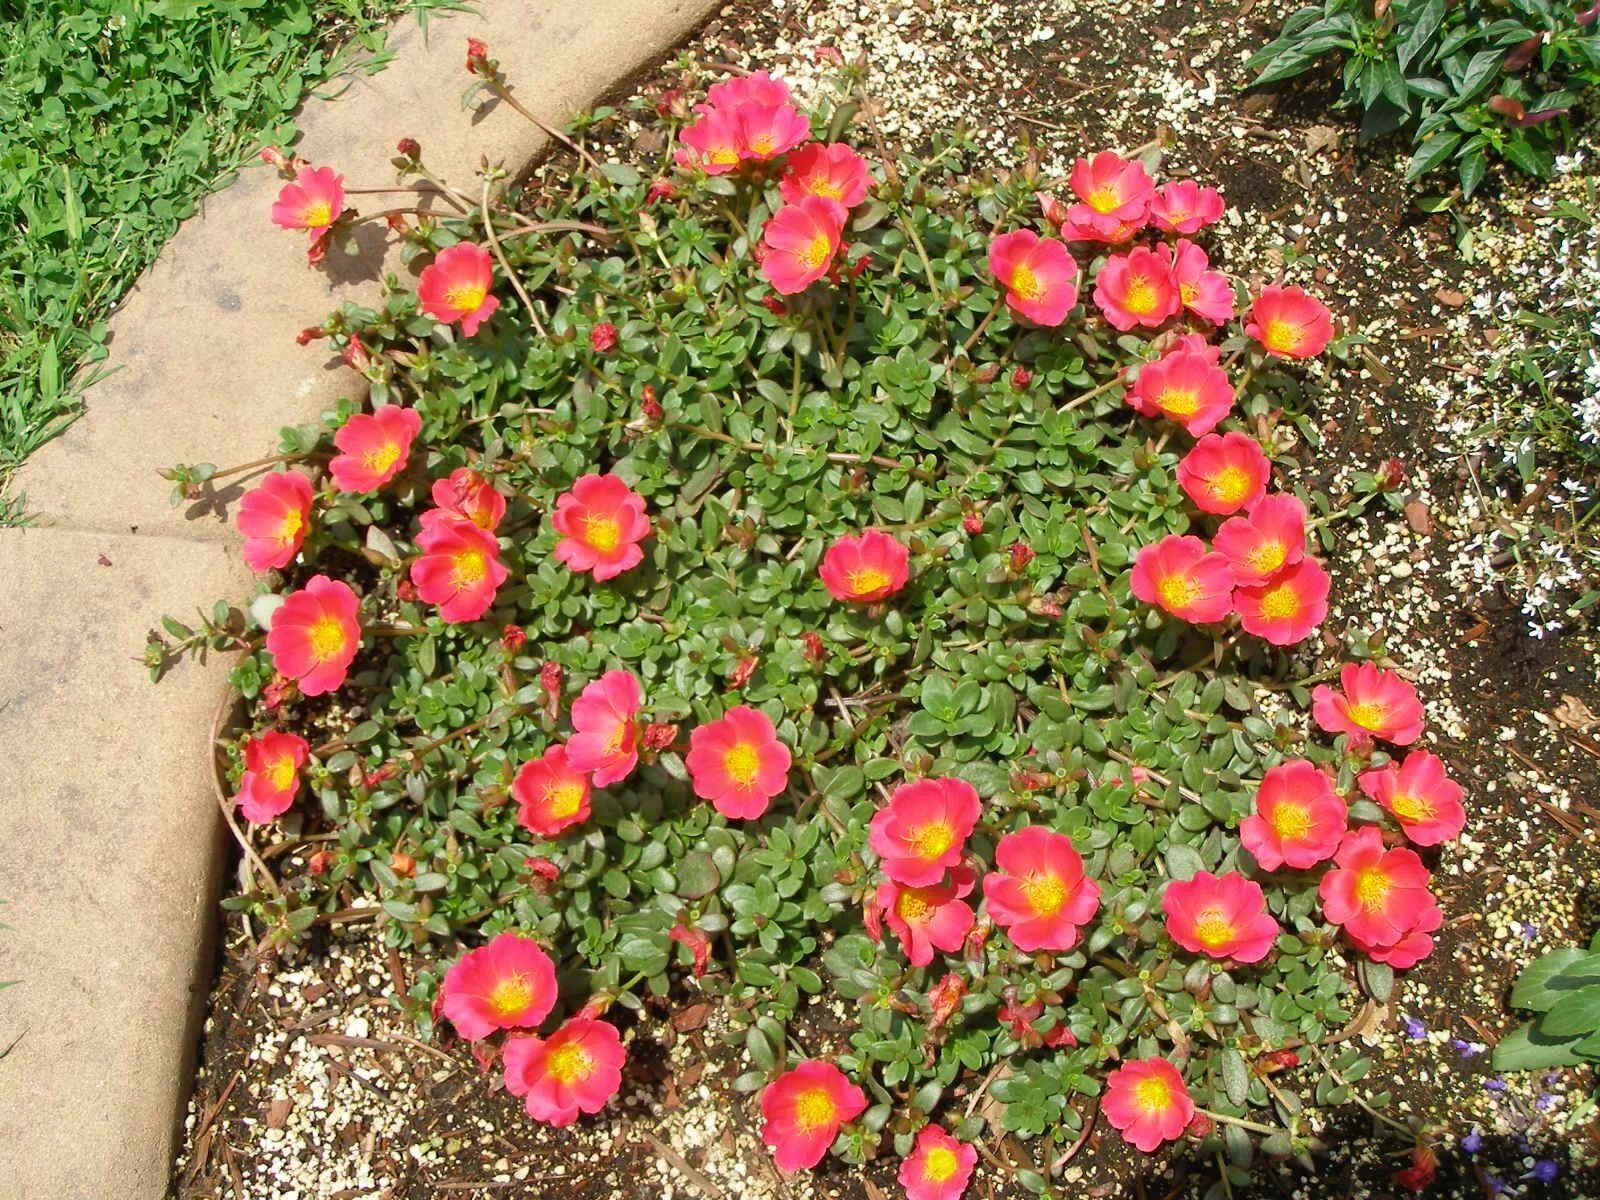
(1468, 82)
(116, 117)
(1563, 987)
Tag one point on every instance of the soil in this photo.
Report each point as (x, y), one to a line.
(307, 1088)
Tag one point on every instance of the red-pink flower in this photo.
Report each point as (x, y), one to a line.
(768, 130)
(373, 447)
(831, 170)
(1138, 288)
(1185, 385)
(467, 493)
(577, 1069)
(802, 1110)
(865, 568)
(738, 763)
(1180, 576)
(712, 143)
(1259, 545)
(312, 202)
(938, 1168)
(272, 763)
(1288, 607)
(1040, 894)
(1114, 197)
(456, 285)
(601, 522)
(1418, 794)
(756, 88)
(274, 517)
(508, 984)
(1379, 896)
(1202, 291)
(552, 795)
(1222, 916)
(799, 242)
(1289, 322)
(930, 917)
(921, 832)
(1146, 1101)
(1039, 276)
(1372, 703)
(1299, 819)
(315, 635)
(1412, 947)
(605, 739)
(1223, 473)
(1183, 206)
(459, 568)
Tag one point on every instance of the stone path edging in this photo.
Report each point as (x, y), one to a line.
(109, 831)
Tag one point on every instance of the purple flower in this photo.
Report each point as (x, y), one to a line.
(1529, 932)
(1544, 1101)
(1473, 1142)
(1415, 1028)
(1465, 1048)
(1545, 1170)
(1494, 1183)
(1495, 1085)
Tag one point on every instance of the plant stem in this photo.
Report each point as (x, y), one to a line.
(1225, 1119)
(505, 265)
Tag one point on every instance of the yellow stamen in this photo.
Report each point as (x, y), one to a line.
(317, 214)
(933, 839)
(511, 996)
(1178, 591)
(602, 533)
(1105, 199)
(1282, 336)
(327, 638)
(1368, 714)
(466, 297)
(1045, 894)
(1372, 888)
(818, 250)
(865, 580)
(469, 568)
(1028, 285)
(1140, 297)
(1291, 821)
(381, 457)
(821, 185)
(814, 1109)
(913, 905)
(940, 1164)
(293, 523)
(281, 774)
(1179, 402)
(1152, 1094)
(1281, 603)
(1411, 808)
(742, 763)
(569, 1064)
(1231, 484)
(1267, 557)
(1213, 929)
(562, 800)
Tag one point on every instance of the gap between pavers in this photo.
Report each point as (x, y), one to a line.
(110, 845)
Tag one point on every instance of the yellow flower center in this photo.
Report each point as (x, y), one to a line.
(281, 774)
(742, 763)
(1368, 715)
(1105, 199)
(817, 251)
(1372, 888)
(814, 1109)
(327, 638)
(763, 143)
(1213, 929)
(1179, 591)
(293, 523)
(1291, 821)
(724, 156)
(1231, 484)
(511, 996)
(466, 297)
(940, 1164)
(821, 185)
(317, 214)
(913, 905)
(866, 580)
(381, 457)
(1045, 894)
(1188, 293)
(1411, 808)
(1267, 557)
(1179, 402)
(619, 733)
(1281, 603)
(933, 839)
(1025, 283)
(1141, 295)
(1152, 1095)
(1282, 336)
(470, 568)
(562, 800)
(602, 533)
(569, 1064)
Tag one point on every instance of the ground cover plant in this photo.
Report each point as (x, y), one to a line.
(779, 554)
(1470, 83)
(116, 117)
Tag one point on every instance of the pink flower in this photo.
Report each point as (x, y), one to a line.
(803, 1109)
(1146, 1101)
(315, 635)
(373, 447)
(921, 832)
(1183, 206)
(577, 1069)
(272, 763)
(1202, 291)
(1040, 894)
(1373, 703)
(1224, 473)
(467, 494)
(866, 568)
(712, 143)
(1299, 819)
(1184, 385)
(1220, 916)
(831, 170)
(768, 130)
(1182, 577)
(508, 984)
(274, 517)
(1288, 607)
(1137, 288)
(1039, 276)
(738, 763)
(1270, 538)
(928, 918)
(605, 741)
(455, 287)
(551, 794)
(1114, 197)
(1419, 795)
(1289, 322)
(601, 522)
(758, 88)
(312, 202)
(459, 569)
(938, 1168)
(1379, 896)
(799, 242)
(1412, 947)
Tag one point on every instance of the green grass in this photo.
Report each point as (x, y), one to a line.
(116, 117)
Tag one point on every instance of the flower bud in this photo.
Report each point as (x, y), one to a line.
(409, 148)
(658, 735)
(973, 523)
(402, 864)
(1021, 378)
(740, 675)
(603, 337)
(1020, 554)
(512, 638)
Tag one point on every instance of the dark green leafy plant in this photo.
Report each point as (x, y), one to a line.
(1469, 82)
(1563, 987)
